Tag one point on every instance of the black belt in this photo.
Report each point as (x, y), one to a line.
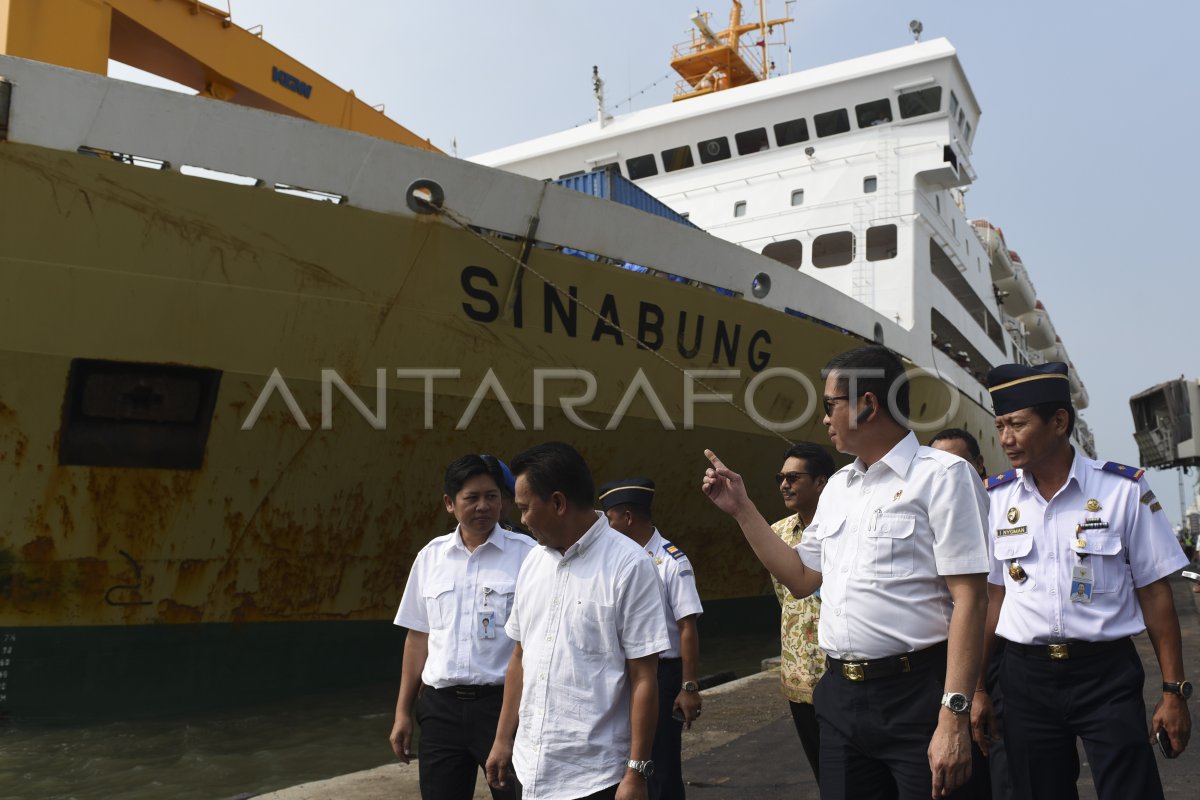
(1061, 651)
(469, 692)
(883, 667)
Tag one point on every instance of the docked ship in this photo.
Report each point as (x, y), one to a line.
(244, 331)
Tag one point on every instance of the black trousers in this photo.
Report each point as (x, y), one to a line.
(1096, 698)
(989, 774)
(875, 733)
(804, 715)
(667, 781)
(456, 738)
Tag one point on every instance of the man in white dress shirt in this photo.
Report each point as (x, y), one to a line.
(627, 504)
(589, 624)
(1082, 553)
(459, 593)
(897, 548)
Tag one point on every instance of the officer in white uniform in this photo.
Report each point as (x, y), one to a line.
(627, 505)
(1081, 555)
(459, 593)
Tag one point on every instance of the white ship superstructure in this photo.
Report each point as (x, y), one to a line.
(853, 174)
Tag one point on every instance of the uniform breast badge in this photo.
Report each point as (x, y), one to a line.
(1014, 514)
(1016, 571)
(1093, 505)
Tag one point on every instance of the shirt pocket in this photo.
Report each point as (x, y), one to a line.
(1108, 566)
(590, 627)
(439, 603)
(1005, 549)
(497, 596)
(890, 547)
(828, 538)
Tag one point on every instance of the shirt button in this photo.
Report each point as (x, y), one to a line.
(837, 613)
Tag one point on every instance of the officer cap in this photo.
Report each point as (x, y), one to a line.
(1016, 386)
(632, 491)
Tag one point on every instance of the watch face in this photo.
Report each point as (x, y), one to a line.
(1185, 689)
(648, 768)
(958, 703)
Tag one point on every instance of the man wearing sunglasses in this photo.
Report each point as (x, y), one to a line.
(898, 550)
(806, 469)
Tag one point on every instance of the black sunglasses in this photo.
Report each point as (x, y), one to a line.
(829, 401)
(790, 477)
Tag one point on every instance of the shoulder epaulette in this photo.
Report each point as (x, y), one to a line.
(1133, 473)
(673, 551)
(1000, 480)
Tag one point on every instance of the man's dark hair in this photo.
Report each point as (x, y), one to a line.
(959, 433)
(816, 458)
(556, 467)
(877, 359)
(463, 468)
(638, 512)
(1046, 412)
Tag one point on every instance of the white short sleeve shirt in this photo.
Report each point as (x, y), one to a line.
(883, 538)
(451, 591)
(578, 616)
(679, 583)
(1134, 548)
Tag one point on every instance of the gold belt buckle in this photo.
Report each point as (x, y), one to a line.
(1058, 652)
(853, 672)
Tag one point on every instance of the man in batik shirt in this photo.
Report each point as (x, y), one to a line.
(806, 468)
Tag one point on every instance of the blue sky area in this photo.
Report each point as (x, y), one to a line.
(1085, 154)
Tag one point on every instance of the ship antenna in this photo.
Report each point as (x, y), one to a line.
(915, 27)
(602, 116)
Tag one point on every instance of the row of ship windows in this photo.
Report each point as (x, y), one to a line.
(835, 249)
(795, 131)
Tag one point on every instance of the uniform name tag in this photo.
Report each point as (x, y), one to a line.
(1012, 531)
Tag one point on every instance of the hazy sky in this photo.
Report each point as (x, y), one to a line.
(1086, 152)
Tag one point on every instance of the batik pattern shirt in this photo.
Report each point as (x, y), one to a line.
(802, 661)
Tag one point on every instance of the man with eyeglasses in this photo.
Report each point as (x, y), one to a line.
(459, 594)
(897, 548)
(806, 469)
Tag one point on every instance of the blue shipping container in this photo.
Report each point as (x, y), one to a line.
(609, 184)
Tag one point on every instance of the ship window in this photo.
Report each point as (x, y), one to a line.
(791, 132)
(967, 131)
(713, 150)
(798, 197)
(832, 122)
(641, 167)
(148, 416)
(833, 249)
(870, 184)
(754, 141)
(881, 242)
(677, 158)
(789, 251)
(739, 208)
(924, 101)
(953, 105)
(875, 112)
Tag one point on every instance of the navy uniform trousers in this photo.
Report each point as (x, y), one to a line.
(1095, 696)
(667, 781)
(875, 733)
(458, 727)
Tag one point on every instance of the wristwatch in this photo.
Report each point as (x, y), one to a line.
(691, 686)
(957, 702)
(1182, 688)
(643, 768)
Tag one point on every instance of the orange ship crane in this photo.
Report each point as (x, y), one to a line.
(713, 61)
(193, 44)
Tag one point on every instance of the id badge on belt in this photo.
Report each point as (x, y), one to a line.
(1081, 583)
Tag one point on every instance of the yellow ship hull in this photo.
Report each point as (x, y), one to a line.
(119, 280)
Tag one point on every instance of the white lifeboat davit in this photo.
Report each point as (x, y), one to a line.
(1039, 333)
(1079, 393)
(1020, 295)
(993, 242)
(1056, 351)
